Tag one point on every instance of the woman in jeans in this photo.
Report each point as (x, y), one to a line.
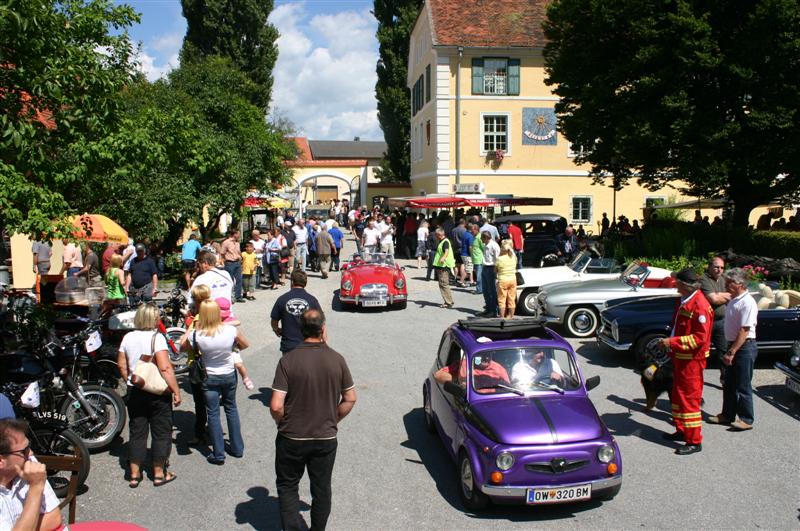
(146, 410)
(272, 257)
(215, 341)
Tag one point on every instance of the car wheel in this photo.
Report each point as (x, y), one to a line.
(641, 343)
(608, 494)
(528, 302)
(426, 407)
(401, 305)
(582, 321)
(471, 496)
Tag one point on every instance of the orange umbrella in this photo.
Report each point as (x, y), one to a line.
(97, 228)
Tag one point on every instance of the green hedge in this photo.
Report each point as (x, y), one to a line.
(670, 239)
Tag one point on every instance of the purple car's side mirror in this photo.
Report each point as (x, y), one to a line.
(592, 382)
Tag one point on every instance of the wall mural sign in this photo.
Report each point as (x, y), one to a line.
(539, 126)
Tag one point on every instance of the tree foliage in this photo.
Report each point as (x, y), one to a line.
(237, 29)
(704, 96)
(395, 23)
(60, 75)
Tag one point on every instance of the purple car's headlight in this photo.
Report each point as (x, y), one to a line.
(504, 460)
(606, 453)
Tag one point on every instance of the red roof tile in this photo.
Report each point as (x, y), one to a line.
(304, 151)
(488, 23)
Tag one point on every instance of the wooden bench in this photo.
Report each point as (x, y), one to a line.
(69, 464)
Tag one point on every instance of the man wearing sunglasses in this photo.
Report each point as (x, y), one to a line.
(27, 502)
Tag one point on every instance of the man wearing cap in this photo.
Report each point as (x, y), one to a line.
(688, 348)
(141, 283)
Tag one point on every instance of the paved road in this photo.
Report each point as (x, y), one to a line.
(391, 474)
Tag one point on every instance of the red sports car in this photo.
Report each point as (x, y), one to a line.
(373, 279)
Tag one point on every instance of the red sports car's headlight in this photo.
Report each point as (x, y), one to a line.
(347, 285)
(399, 283)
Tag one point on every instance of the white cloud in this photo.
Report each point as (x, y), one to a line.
(325, 75)
(158, 57)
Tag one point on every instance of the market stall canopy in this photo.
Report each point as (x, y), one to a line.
(266, 202)
(98, 228)
(478, 201)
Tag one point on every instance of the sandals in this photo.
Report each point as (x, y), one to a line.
(445, 306)
(168, 478)
(134, 481)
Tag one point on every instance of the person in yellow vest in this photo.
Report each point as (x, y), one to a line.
(443, 263)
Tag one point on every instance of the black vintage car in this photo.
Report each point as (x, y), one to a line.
(630, 325)
(792, 370)
(539, 232)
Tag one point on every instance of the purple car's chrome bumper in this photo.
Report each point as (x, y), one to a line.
(520, 492)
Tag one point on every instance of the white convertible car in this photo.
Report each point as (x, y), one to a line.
(583, 267)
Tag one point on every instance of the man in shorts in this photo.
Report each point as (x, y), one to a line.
(189, 258)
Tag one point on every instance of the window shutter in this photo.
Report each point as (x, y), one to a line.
(427, 83)
(513, 77)
(477, 75)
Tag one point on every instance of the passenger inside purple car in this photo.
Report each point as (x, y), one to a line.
(487, 374)
(535, 368)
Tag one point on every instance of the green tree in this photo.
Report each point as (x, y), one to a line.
(237, 29)
(61, 71)
(395, 22)
(704, 96)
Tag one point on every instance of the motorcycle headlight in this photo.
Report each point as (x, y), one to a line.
(505, 460)
(347, 285)
(795, 361)
(399, 283)
(606, 453)
(615, 330)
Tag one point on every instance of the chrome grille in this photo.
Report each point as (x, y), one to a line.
(374, 290)
(557, 466)
(605, 327)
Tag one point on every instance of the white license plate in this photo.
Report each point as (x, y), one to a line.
(793, 386)
(373, 302)
(560, 495)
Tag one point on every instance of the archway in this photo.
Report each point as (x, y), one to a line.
(348, 180)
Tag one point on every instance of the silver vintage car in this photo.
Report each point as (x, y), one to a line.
(577, 305)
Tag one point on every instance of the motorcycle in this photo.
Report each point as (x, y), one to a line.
(49, 433)
(94, 412)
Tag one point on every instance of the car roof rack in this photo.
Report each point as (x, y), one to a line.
(500, 324)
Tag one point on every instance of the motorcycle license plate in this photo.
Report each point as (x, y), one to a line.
(373, 302)
(559, 495)
(49, 415)
(793, 386)
(93, 342)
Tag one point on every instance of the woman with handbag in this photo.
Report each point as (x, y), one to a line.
(144, 362)
(214, 341)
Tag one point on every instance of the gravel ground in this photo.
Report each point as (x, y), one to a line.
(391, 474)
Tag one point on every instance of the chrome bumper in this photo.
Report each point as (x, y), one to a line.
(390, 298)
(788, 372)
(605, 340)
(521, 492)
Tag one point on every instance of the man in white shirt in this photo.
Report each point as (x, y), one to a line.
(26, 499)
(371, 237)
(488, 274)
(387, 236)
(491, 229)
(534, 369)
(218, 280)
(741, 316)
(259, 244)
(301, 243)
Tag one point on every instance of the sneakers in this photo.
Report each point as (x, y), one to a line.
(719, 419)
(248, 384)
(741, 425)
(689, 449)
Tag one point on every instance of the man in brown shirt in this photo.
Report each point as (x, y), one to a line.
(232, 257)
(325, 247)
(712, 284)
(312, 392)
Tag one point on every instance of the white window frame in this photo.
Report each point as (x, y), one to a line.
(572, 209)
(662, 197)
(507, 115)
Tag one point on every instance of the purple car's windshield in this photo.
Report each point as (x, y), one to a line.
(524, 370)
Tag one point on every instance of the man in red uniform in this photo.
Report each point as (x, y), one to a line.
(516, 238)
(688, 347)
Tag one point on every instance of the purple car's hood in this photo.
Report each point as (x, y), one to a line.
(545, 419)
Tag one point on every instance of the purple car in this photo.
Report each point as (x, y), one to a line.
(511, 406)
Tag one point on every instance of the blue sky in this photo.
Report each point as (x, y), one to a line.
(325, 75)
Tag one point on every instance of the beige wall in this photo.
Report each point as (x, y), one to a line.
(22, 260)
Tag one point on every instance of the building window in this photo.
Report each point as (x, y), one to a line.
(654, 200)
(495, 133)
(582, 209)
(418, 95)
(495, 76)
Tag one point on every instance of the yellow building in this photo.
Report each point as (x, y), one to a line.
(483, 118)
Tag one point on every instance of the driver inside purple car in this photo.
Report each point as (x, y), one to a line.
(534, 369)
(486, 373)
